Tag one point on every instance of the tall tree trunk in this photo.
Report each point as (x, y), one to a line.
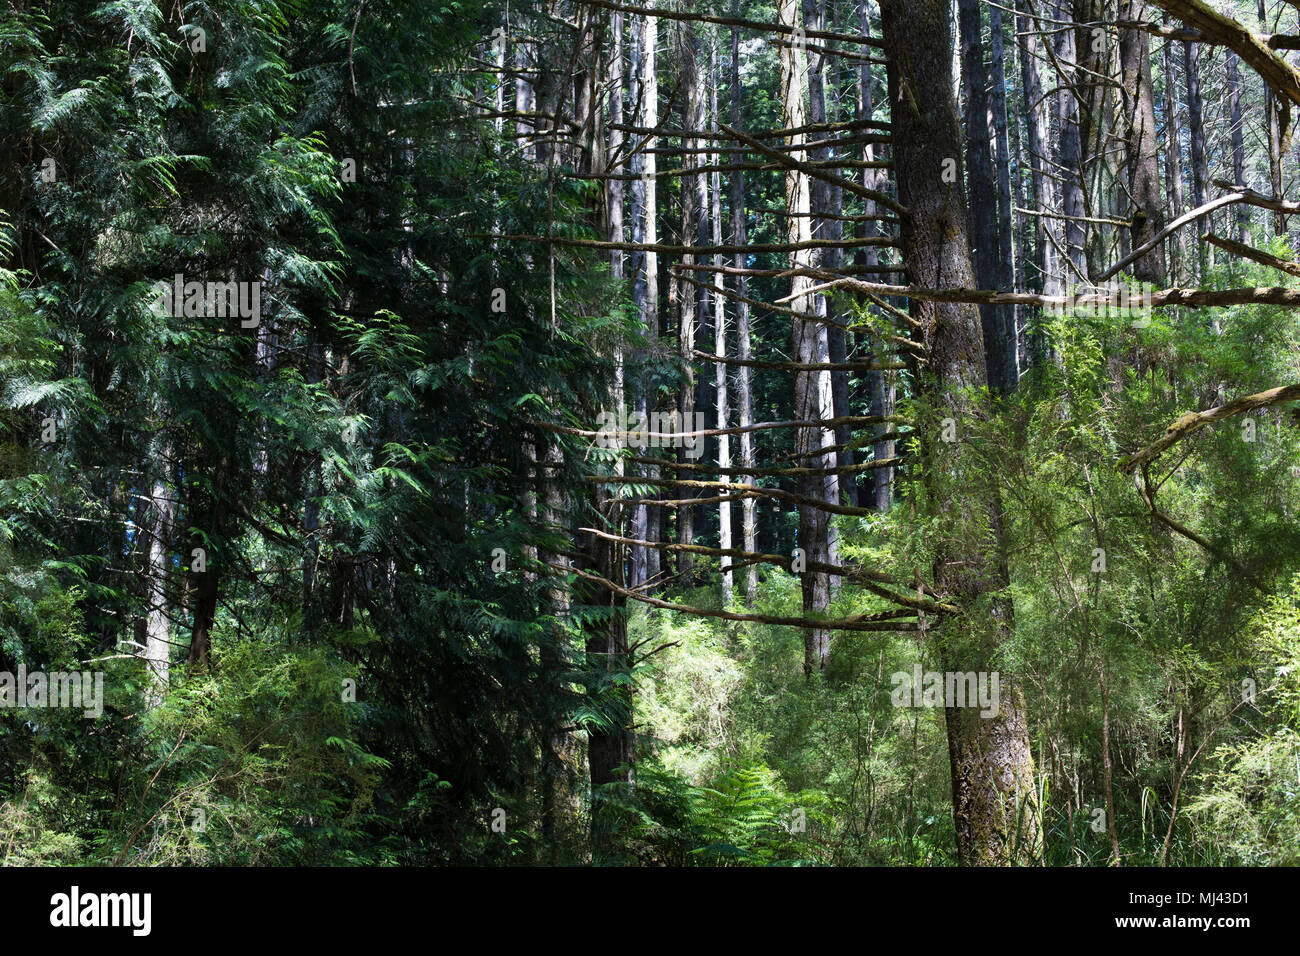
(645, 264)
(1174, 165)
(614, 197)
(719, 329)
(1069, 159)
(615, 191)
(812, 389)
(1041, 186)
(525, 100)
(992, 767)
(207, 512)
(1141, 145)
(1274, 131)
(826, 200)
(1196, 140)
(744, 375)
(1096, 173)
(983, 192)
(880, 385)
(829, 200)
(1006, 264)
(687, 297)
(1237, 139)
(157, 644)
(609, 742)
(559, 747)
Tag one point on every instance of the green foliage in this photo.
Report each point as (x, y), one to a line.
(746, 818)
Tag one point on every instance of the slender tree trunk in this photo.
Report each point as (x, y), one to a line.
(208, 513)
(744, 375)
(525, 100)
(1069, 159)
(811, 398)
(614, 198)
(880, 384)
(719, 330)
(1092, 51)
(157, 645)
(1108, 770)
(992, 767)
(559, 746)
(1174, 165)
(1274, 130)
(687, 298)
(982, 188)
(1142, 145)
(1036, 124)
(615, 191)
(609, 743)
(645, 264)
(1006, 264)
(1196, 139)
(826, 201)
(1237, 139)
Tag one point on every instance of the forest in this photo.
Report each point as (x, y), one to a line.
(649, 433)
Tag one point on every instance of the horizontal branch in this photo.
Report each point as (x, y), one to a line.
(1190, 298)
(705, 168)
(828, 424)
(872, 581)
(773, 472)
(674, 250)
(1192, 421)
(804, 367)
(744, 24)
(1250, 252)
(1259, 199)
(779, 133)
(818, 504)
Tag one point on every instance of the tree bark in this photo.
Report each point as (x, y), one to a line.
(1006, 264)
(719, 333)
(1196, 139)
(744, 375)
(1273, 120)
(687, 297)
(992, 767)
(880, 383)
(1036, 125)
(1141, 144)
(1069, 159)
(1173, 165)
(982, 188)
(157, 645)
(1237, 140)
(812, 389)
(645, 263)
(826, 203)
